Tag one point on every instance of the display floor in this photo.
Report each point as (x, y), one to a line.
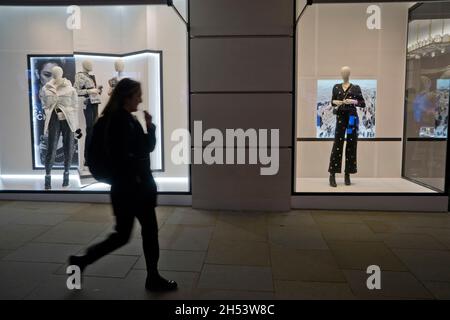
(36, 183)
(228, 255)
(384, 185)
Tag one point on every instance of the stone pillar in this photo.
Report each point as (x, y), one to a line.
(241, 76)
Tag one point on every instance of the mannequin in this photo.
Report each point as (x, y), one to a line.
(61, 110)
(89, 95)
(346, 97)
(119, 66)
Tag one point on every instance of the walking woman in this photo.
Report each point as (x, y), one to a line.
(133, 189)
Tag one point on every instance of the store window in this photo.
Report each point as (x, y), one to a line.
(427, 94)
(78, 54)
(352, 62)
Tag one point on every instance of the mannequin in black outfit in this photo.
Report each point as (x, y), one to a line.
(89, 96)
(346, 98)
(133, 189)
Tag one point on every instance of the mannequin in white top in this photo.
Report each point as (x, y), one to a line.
(119, 66)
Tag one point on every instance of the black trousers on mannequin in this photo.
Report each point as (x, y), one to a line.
(56, 128)
(346, 123)
(91, 116)
(127, 205)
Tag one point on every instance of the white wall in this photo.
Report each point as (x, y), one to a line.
(300, 4)
(112, 29)
(331, 36)
(181, 6)
(168, 33)
(24, 31)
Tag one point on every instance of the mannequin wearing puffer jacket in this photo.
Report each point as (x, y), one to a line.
(61, 118)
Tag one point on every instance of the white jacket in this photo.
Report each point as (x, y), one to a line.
(63, 96)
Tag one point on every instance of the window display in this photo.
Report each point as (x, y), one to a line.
(345, 100)
(59, 100)
(70, 77)
(89, 96)
(369, 124)
(144, 67)
(40, 74)
(427, 95)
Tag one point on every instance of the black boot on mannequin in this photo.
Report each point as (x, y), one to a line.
(333, 180)
(66, 179)
(347, 179)
(48, 182)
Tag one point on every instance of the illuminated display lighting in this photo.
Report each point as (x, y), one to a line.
(75, 176)
(154, 61)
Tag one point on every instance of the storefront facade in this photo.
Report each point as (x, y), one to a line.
(261, 65)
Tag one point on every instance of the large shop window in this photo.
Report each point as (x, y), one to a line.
(353, 115)
(427, 95)
(77, 55)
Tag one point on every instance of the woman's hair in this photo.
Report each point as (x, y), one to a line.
(124, 90)
(41, 63)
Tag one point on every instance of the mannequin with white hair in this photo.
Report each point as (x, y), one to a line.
(346, 97)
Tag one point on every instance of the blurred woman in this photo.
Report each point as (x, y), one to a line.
(133, 189)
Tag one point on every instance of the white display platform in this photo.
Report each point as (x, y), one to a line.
(361, 185)
(36, 183)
